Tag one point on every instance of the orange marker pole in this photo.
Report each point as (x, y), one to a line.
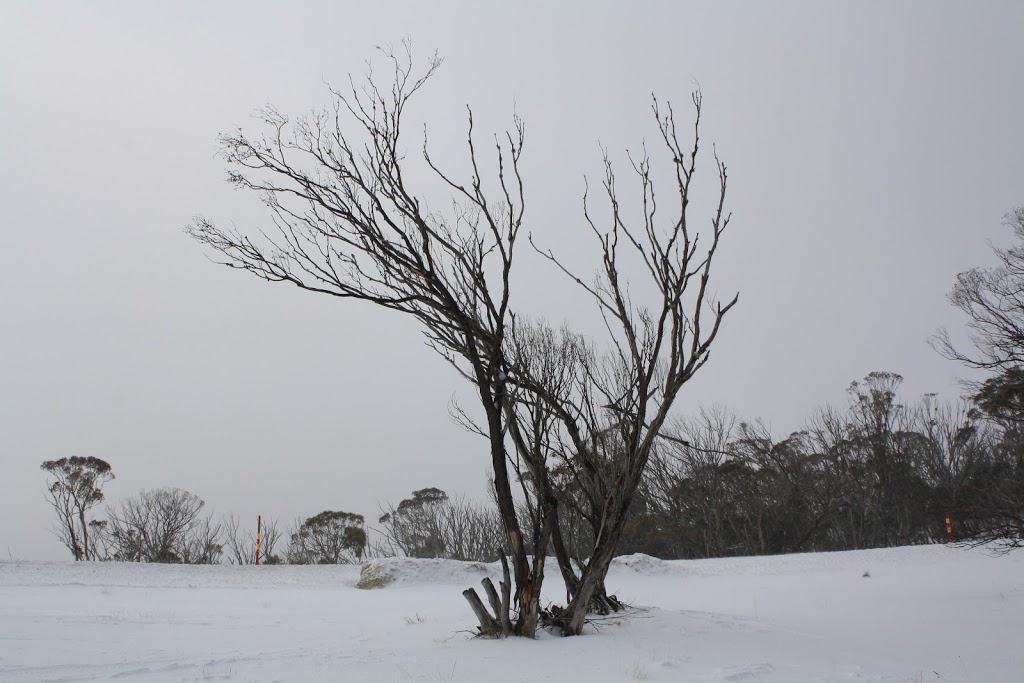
(949, 528)
(259, 533)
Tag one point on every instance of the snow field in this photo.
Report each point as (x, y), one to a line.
(929, 613)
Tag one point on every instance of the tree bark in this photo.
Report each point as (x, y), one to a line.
(506, 596)
(488, 626)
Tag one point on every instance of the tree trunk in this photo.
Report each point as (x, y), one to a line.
(506, 595)
(526, 624)
(592, 579)
(602, 603)
(488, 625)
(572, 582)
(499, 605)
(85, 535)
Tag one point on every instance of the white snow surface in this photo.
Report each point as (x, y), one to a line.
(927, 613)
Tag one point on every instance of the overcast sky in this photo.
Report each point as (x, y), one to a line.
(873, 149)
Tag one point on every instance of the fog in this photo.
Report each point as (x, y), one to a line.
(872, 151)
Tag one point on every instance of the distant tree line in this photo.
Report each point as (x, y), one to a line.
(876, 472)
(168, 525)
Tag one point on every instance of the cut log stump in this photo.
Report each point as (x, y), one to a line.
(488, 624)
(498, 625)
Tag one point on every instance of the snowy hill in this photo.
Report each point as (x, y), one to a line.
(930, 613)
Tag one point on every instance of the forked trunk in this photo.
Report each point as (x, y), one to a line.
(527, 593)
(591, 583)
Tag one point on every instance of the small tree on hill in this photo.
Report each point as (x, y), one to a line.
(430, 524)
(76, 488)
(164, 525)
(329, 538)
(414, 527)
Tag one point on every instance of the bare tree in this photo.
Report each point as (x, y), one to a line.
(347, 223)
(431, 524)
(993, 509)
(614, 413)
(203, 544)
(688, 478)
(956, 444)
(76, 488)
(720, 487)
(884, 444)
(100, 540)
(164, 525)
(414, 527)
(829, 443)
(993, 300)
(241, 542)
(241, 548)
(788, 494)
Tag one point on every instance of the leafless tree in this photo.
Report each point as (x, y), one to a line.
(719, 486)
(687, 478)
(241, 542)
(993, 301)
(203, 544)
(348, 223)
(614, 413)
(431, 524)
(883, 443)
(829, 444)
(241, 549)
(76, 488)
(788, 491)
(987, 457)
(414, 527)
(956, 445)
(164, 525)
(100, 540)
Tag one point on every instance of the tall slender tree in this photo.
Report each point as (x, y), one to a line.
(76, 488)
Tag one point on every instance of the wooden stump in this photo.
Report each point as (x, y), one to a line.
(500, 624)
(488, 624)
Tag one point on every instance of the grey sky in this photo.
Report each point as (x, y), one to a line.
(872, 147)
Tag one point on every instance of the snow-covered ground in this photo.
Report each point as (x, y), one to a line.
(917, 614)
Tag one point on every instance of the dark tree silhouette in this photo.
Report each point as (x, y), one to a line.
(609, 410)
(431, 524)
(76, 488)
(993, 300)
(347, 222)
(1002, 396)
(329, 538)
(164, 525)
